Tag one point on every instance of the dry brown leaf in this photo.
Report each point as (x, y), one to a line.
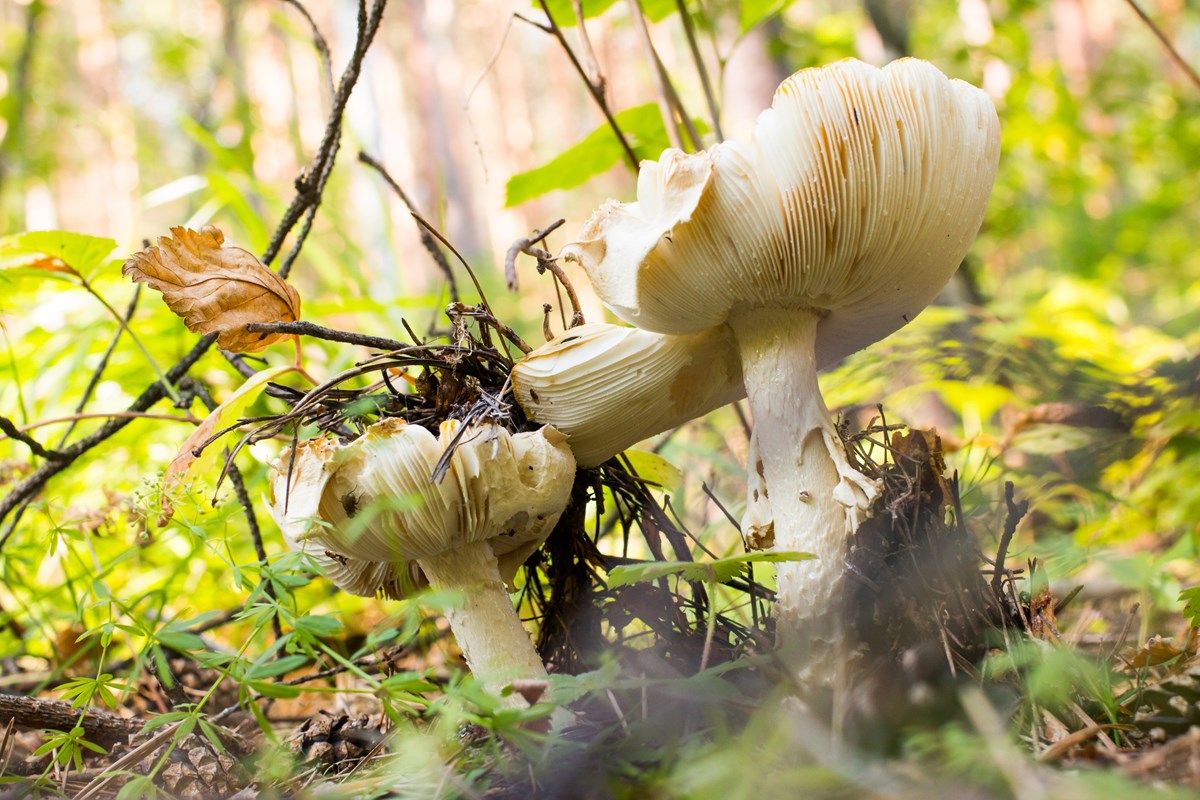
(214, 288)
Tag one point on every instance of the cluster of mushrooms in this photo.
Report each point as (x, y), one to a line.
(744, 269)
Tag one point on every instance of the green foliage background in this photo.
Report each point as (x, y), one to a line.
(1087, 283)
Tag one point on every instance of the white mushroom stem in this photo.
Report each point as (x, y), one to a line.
(495, 644)
(815, 497)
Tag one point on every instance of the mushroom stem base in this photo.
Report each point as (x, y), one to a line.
(494, 643)
(812, 496)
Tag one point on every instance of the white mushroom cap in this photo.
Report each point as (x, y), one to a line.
(608, 387)
(856, 199)
(366, 511)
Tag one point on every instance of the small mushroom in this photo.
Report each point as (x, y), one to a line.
(373, 518)
(837, 222)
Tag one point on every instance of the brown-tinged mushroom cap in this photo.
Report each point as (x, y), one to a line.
(856, 198)
(608, 387)
(368, 510)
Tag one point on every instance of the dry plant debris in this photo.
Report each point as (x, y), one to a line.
(215, 288)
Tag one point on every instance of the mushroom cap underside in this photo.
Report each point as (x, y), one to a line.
(856, 199)
(609, 386)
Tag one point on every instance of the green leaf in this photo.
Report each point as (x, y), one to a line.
(180, 640)
(139, 787)
(277, 667)
(1191, 609)
(280, 690)
(753, 12)
(318, 625)
(714, 571)
(598, 152)
(655, 469)
(78, 252)
(163, 719)
(563, 11)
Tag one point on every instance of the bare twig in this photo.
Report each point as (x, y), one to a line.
(318, 42)
(310, 186)
(427, 240)
(239, 489)
(547, 333)
(328, 334)
(1059, 749)
(664, 101)
(545, 263)
(710, 97)
(596, 91)
(589, 54)
(9, 429)
(1013, 516)
(523, 246)
(1179, 60)
(673, 96)
(94, 381)
(34, 713)
(127, 415)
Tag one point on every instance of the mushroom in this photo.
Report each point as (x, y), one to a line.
(837, 222)
(608, 387)
(372, 516)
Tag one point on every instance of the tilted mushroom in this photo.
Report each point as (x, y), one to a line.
(372, 516)
(849, 209)
(608, 387)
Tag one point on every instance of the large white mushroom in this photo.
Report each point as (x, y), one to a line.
(372, 516)
(837, 222)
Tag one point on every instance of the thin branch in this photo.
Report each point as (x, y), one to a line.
(310, 186)
(424, 223)
(1166, 43)
(656, 71)
(595, 91)
(129, 415)
(328, 334)
(522, 246)
(9, 429)
(99, 726)
(318, 42)
(589, 53)
(673, 96)
(243, 496)
(1015, 512)
(28, 488)
(714, 111)
(545, 262)
(94, 381)
(427, 239)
